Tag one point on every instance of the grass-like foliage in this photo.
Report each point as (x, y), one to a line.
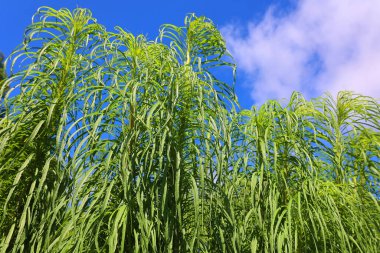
(113, 143)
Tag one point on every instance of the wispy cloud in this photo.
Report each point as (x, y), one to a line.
(319, 46)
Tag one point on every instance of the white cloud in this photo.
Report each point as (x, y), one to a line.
(321, 45)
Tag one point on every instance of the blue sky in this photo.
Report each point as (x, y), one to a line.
(312, 46)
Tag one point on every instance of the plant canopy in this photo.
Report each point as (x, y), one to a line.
(110, 142)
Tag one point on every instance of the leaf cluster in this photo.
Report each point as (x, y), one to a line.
(114, 143)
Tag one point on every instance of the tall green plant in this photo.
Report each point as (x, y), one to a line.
(2, 79)
(113, 143)
(295, 199)
(120, 124)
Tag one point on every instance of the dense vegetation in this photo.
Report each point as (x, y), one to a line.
(113, 143)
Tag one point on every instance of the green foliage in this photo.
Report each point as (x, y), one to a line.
(2, 70)
(113, 143)
(2, 73)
